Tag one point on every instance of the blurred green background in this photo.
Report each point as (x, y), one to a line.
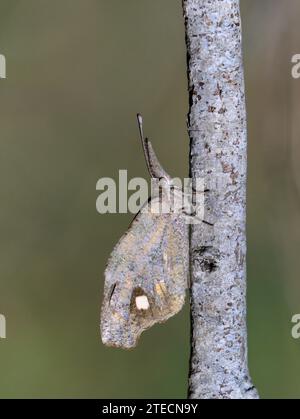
(77, 73)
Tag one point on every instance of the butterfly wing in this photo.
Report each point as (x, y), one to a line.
(146, 277)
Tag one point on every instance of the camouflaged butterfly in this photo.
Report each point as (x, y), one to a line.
(146, 276)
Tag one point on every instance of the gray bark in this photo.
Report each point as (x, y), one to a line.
(217, 129)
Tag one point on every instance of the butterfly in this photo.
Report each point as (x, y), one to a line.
(147, 273)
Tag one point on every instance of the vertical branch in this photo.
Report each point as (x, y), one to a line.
(217, 129)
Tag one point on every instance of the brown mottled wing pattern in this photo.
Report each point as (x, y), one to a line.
(150, 262)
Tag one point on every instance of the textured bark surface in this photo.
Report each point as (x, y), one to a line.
(217, 129)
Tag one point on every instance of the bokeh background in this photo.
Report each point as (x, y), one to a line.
(77, 73)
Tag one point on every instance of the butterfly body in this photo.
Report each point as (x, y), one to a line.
(146, 276)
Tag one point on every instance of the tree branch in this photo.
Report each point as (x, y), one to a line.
(217, 129)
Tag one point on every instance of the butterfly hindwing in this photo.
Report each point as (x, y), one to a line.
(146, 277)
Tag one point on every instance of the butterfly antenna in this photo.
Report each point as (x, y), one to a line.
(155, 168)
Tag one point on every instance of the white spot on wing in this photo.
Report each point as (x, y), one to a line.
(142, 302)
